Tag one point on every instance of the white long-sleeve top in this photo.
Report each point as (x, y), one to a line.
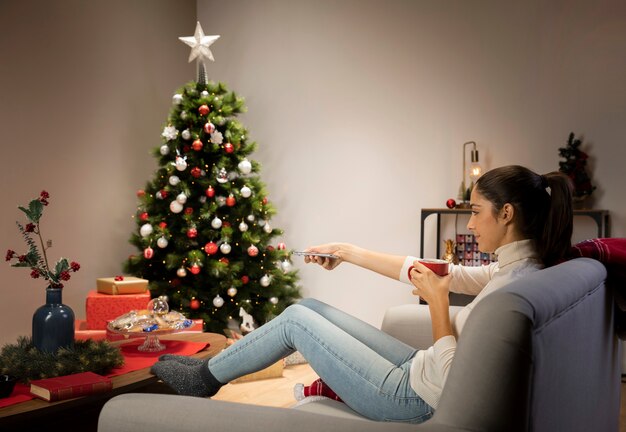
(430, 367)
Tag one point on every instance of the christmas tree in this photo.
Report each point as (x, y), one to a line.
(575, 166)
(203, 221)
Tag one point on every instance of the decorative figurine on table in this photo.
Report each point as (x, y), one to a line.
(449, 254)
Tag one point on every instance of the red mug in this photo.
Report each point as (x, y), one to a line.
(438, 266)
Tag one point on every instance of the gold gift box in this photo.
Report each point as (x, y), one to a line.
(128, 285)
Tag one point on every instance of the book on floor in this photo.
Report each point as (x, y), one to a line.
(70, 386)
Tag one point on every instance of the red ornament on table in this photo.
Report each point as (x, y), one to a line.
(451, 203)
(203, 110)
(253, 251)
(228, 148)
(192, 233)
(210, 248)
(197, 145)
(194, 269)
(230, 201)
(210, 192)
(148, 253)
(194, 304)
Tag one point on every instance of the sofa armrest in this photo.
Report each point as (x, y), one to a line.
(411, 324)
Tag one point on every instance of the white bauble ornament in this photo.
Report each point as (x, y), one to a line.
(267, 228)
(274, 300)
(245, 166)
(261, 222)
(181, 272)
(285, 265)
(245, 192)
(243, 227)
(205, 93)
(162, 242)
(183, 115)
(265, 281)
(232, 291)
(145, 230)
(250, 218)
(225, 248)
(181, 198)
(164, 150)
(181, 163)
(216, 223)
(174, 180)
(218, 301)
(177, 99)
(176, 207)
(186, 134)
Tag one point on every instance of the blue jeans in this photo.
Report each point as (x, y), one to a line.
(367, 368)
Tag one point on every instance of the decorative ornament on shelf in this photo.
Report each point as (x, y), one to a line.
(451, 203)
(53, 323)
(475, 171)
(575, 166)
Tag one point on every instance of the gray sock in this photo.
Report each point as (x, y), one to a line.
(186, 360)
(187, 380)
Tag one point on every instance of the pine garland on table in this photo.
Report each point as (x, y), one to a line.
(27, 363)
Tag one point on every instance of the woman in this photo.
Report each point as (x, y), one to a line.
(522, 217)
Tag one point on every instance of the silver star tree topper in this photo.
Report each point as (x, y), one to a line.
(200, 51)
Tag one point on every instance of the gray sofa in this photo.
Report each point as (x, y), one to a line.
(538, 355)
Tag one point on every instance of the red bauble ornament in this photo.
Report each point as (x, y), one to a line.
(192, 233)
(230, 201)
(204, 110)
(264, 200)
(209, 127)
(194, 269)
(245, 279)
(196, 172)
(228, 148)
(269, 248)
(197, 145)
(253, 251)
(141, 193)
(188, 211)
(162, 225)
(225, 224)
(210, 192)
(148, 253)
(281, 246)
(224, 260)
(143, 216)
(194, 304)
(210, 248)
(186, 148)
(164, 193)
(451, 203)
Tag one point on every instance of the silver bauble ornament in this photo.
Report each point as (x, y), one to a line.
(162, 242)
(218, 301)
(250, 218)
(232, 291)
(181, 272)
(176, 207)
(265, 281)
(274, 300)
(216, 223)
(246, 192)
(158, 195)
(183, 115)
(186, 134)
(174, 180)
(225, 248)
(177, 99)
(204, 93)
(145, 230)
(243, 227)
(285, 265)
(245, 166)
(181, 198)
(181, 163)
(164, 150)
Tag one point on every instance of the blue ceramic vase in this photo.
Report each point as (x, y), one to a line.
(53, 323)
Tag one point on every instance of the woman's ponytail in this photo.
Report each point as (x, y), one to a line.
(554, 241)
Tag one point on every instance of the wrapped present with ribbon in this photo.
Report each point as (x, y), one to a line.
(121, 285)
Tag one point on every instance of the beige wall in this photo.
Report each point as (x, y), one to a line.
(360, 109)
(85, 88)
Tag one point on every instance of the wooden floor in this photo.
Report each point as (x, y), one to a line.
(278, 392)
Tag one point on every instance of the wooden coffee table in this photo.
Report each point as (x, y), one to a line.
(19, 413)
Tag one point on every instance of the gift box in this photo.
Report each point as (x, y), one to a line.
(121, 285)
(102, 308)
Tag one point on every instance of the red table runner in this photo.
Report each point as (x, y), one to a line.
(133, 360)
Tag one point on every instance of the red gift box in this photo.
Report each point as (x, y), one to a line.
(102, 308)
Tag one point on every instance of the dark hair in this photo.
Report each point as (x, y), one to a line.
(542, 203)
